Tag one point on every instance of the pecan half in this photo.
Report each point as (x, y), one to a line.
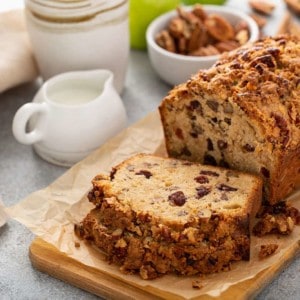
(164, 40)
(219, 28)
(262, 6)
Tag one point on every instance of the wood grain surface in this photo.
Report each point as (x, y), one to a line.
(48, 259)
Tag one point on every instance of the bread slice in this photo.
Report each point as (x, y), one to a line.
(243, 113)
(158, 215)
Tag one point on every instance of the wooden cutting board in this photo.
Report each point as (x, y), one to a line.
(48, 259)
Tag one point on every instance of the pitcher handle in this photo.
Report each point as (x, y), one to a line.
(21, 119)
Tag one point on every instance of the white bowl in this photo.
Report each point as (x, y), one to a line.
(177, 68)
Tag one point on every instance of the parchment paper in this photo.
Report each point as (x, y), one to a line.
(51, 213)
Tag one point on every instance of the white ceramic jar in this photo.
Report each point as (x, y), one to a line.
(71, 115)
(72, 35)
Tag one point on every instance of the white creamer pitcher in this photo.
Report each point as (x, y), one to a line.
(71, 115)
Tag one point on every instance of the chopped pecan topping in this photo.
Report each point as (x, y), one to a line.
(282, 124)
(264, 59)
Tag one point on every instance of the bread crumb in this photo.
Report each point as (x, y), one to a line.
(267, 250)
(280, 219)
(197, 284)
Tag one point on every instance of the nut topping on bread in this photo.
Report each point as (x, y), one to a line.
(243, 113)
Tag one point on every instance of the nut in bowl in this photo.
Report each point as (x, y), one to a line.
(191, 38)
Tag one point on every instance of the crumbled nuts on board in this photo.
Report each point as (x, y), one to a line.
(267, 250)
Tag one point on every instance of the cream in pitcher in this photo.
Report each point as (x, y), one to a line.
(79, 35)
(71, 115)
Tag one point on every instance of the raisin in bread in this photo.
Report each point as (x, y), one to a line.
(158, 215)
(243, 113)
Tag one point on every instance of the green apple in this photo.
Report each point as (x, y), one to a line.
(191, 2)
(141, 13)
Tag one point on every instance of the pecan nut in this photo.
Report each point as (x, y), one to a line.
(164, 40)
(219, 28)
(262, 6)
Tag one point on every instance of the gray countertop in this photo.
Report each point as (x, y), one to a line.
(23, 172)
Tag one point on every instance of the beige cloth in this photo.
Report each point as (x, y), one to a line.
(17, 64)
(3, 215)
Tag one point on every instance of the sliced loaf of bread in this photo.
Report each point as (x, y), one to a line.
(158, 215)
(243, 113)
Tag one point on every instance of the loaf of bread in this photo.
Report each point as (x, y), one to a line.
(243, 113)
(156, 215)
